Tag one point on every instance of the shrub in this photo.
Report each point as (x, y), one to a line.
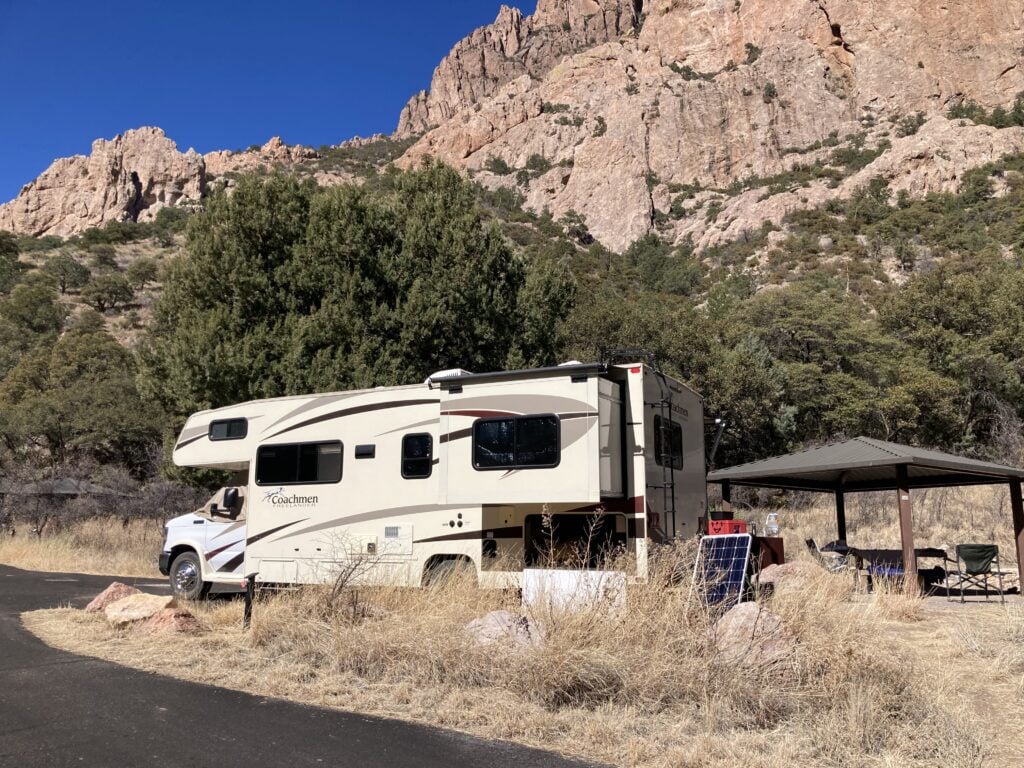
(107, 292)
(910, 125)
(497, 166)
(770, 93)
(753, 53)
(67, 271)
(538, 164)
(141, 271)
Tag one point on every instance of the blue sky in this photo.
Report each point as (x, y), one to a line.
(214, 74)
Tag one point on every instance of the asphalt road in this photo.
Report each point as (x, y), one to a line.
(58, 709)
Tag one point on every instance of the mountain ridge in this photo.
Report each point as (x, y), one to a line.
(690, 119)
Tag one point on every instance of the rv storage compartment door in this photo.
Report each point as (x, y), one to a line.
(610, 424)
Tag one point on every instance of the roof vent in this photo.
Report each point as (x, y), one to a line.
(568, 363)
(451, 373)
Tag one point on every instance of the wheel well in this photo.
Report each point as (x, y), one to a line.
(180, 549)
(434, 561)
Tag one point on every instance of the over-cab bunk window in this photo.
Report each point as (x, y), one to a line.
(668, 443)
(299, 464)
(517, 442)
(417, 456)
(229, 429)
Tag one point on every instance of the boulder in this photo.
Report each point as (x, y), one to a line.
(504, 627)
(136, 607)
(171, 620)
(113, 593)
(753, 636)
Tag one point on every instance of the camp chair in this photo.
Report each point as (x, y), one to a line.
(974, 567)
(830, 561)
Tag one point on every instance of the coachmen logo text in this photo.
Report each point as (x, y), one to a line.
(279, 499)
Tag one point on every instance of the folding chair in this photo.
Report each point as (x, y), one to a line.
(832, 562)
(974, 567)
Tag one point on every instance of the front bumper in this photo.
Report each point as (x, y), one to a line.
(165, 563)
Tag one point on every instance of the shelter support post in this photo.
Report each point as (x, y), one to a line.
(841, 514)
(1017, 504)
(906, 521)
(727, 496)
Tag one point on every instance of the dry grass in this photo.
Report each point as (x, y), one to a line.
(103, 546)
(637, 686)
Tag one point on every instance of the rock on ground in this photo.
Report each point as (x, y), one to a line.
(171, 620)
(504, 627)
(753, 636)
(136, 608)
(113, 593)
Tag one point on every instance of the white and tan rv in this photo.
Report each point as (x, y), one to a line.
(485, 470)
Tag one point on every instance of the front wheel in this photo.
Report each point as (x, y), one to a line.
(187, 577)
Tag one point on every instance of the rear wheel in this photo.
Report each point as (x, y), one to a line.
(449, 571)
(187, 577)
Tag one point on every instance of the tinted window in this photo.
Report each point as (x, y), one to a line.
(537, 441)
(229, 429)
(305, 463)
(417, 456)
(494, 443)
(516, 442)
(668, 443)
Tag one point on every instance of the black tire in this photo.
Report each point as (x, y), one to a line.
(442, 572)
(186, 577)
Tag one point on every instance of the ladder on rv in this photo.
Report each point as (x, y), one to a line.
(663, 436)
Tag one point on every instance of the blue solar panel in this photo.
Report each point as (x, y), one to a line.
(721, 569)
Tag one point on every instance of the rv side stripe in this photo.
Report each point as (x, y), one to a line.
(225, 548)
(514, 532)
(480, 414)
(233, 527)
(457, 435)
(272, 531)
(231, 564)
(191, 440)
(379, 514)
(353, 411)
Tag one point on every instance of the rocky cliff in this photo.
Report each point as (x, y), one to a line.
(705, 92)
(691, 118)
(128, 178)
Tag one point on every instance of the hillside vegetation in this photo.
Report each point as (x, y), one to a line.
(876, 315)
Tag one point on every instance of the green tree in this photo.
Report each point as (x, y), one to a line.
(141, 271)
(78, 397)
(107, 291)
(10, 267)
(287, 288)
(33, 308)
(67, 271)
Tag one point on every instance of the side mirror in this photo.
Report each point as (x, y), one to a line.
(213, 509)
(231, 498)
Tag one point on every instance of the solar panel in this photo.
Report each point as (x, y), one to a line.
(721, 569)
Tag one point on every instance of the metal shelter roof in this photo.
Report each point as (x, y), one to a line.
(865, 464)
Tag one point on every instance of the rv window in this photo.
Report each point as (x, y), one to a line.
(520, 442)
(417, 456)
(299, 464)
(668, 443)
(229, 429)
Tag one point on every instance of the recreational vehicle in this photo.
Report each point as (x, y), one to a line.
(206, 548)
(486, 471)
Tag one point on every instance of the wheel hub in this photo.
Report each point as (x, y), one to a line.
(186, 577)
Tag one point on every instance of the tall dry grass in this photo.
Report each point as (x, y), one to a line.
(637, 685)
(99, 545)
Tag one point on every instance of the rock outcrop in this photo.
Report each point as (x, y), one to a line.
(513, 46)
(128, 178)
(274, 153)
(706, 90)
